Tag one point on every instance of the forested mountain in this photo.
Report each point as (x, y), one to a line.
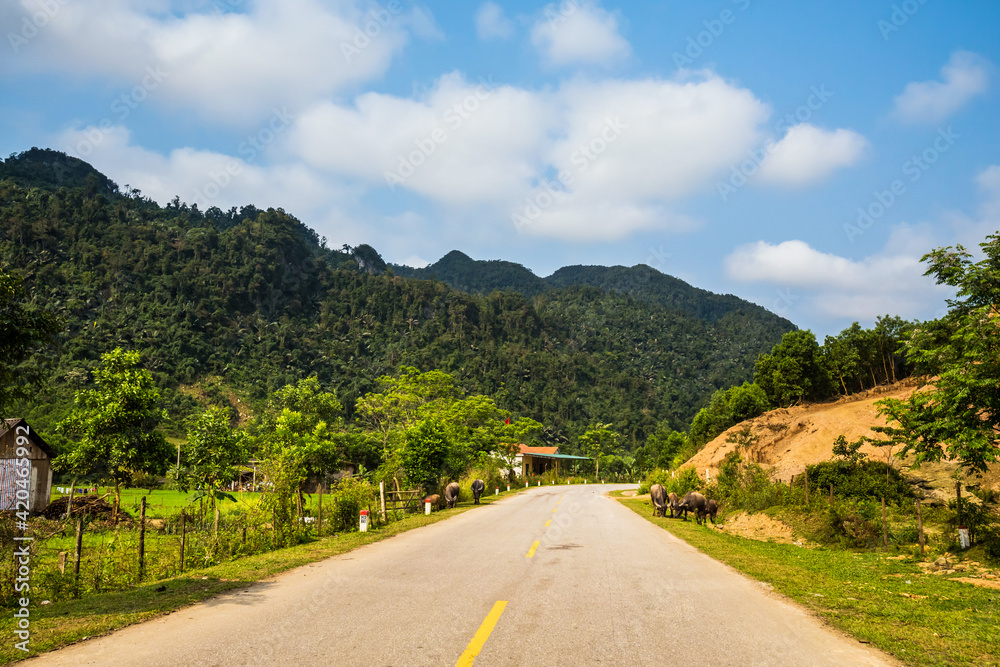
(641, 282)
(245, 301)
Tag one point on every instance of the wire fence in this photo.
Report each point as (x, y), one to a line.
(91, 553)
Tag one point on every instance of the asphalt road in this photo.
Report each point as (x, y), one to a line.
(601, 586)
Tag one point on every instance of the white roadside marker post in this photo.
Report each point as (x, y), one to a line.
(364, 521)
(427, 505)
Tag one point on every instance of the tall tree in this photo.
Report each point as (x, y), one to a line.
(116, 422)
(214, 450)
(599, 440)
(793, 371)
(958, 414)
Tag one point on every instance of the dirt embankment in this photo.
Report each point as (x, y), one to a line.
(790, 439)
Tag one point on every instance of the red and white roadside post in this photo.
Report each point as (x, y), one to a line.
(496, 491)
(427, 505)
(364, 521)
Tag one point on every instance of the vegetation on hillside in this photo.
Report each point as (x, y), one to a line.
(236, 304)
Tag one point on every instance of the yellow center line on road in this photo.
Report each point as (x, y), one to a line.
(554, 511)
(482, 634)
(531, 551)
(548, 523)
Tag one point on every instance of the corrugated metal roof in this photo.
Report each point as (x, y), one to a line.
(557, 456)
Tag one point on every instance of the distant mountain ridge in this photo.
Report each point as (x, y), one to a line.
(640, 282)
(244, 301)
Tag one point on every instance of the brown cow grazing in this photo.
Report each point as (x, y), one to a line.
(693, 502)
(477, 490)
(435, 501)
(451, 494)
(673, 501)
(657, 494)
(711, 509)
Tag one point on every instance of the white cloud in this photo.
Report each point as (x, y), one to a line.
(964, 77)
(204, 177)
(228, 66)
(628, 148)
(890, 281)
(416, 261)
(808, 154)
(571, 33)
(463, 142)
(491, 22)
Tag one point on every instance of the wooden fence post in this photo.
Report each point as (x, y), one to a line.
(381, 492)
(79, 548)
(831, 493)
(142, 537)
(885, 530)
(319, 514)
(183, 537)
(920, 528)
(806, 473)
(69, 501)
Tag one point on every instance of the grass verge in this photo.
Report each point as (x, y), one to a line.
(921, 619)
(56, 625)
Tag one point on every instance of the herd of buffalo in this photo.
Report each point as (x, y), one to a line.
(701, 506)
(692, 502)
(451, 494)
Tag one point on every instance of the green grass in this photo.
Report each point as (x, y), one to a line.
(946, 622)
(63, 623)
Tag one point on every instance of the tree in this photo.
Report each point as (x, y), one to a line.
(664, 445)
(599, 440)
(958, 414)
(26, 328)
(842, 359)
(303, 428)
(116, 422)
(793, 371)
(213, 452)
(426, 452)
(418, 410)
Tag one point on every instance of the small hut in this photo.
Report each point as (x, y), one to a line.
(38, 455)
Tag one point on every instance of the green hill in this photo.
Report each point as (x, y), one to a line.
(640, 282)
(229, 305)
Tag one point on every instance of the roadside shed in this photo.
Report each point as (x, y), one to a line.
(39, 457)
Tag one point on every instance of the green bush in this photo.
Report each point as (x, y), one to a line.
(865, 480)
(747, 486)
(347, 500)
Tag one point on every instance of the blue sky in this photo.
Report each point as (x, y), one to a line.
(800, 155)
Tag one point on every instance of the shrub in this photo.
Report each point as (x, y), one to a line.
(866, 480)
(741, 485)
(348, 498)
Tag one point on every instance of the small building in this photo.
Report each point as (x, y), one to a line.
(539, 460)
(15, 434)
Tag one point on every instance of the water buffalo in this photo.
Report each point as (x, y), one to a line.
(477, 490)
(693, 502)
(711, 509)
(658, 495)
(672, 502)
(435, 501)
(451, 494)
